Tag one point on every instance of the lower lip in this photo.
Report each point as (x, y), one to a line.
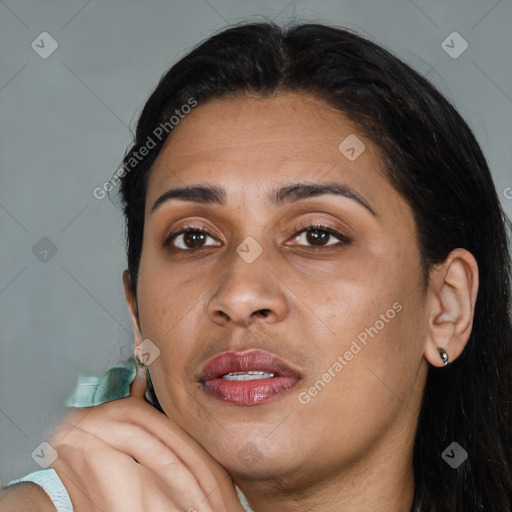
(248, 392)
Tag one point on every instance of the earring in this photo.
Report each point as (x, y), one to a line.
(443, 354)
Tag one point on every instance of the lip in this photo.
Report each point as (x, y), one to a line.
(250, 392)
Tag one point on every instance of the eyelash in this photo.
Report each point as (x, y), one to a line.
(301, 228)
(298, 230)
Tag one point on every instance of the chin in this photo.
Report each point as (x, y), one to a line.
(252, 456)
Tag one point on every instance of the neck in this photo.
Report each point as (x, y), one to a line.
(382, 481)
(382, 492)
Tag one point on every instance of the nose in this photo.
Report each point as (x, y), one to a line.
(248, 292)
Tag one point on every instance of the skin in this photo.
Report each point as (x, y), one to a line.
(126, 456)
(350, 447)
(26, 497)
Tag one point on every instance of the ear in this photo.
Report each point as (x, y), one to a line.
(451, 298)
(132, 307)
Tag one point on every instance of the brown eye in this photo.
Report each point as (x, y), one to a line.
(317, 237)
(193, 239)
(188, 239)
(321, 236)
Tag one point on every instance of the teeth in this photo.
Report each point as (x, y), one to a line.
(250, 375)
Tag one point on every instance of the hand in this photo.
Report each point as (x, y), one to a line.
(126, 456)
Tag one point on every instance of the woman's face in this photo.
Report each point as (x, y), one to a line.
(344, 312)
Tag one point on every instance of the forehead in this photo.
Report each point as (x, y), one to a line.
(289, 123)
(250, 141)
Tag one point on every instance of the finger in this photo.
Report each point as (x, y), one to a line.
(212, 477)
(138, 387)
(92, 472)
(123, 464)
(150, 452)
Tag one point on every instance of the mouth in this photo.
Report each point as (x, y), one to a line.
(247, 378)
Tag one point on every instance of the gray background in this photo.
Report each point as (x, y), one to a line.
(64, 127)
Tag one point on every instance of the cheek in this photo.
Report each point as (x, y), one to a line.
(367, 368)
(363, 386)
(165, 294)
(169, 308)
(367, 297)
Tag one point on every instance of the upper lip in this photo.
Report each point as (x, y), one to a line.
(262, 360)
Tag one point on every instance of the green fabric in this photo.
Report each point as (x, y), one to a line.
(91, 390)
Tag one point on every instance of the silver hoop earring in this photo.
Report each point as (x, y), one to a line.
(444, 355)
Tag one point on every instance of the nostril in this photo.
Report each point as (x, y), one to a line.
(263, 312)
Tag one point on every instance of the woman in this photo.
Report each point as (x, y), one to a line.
(319, 285)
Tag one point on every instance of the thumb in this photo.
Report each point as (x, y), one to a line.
(138, 387)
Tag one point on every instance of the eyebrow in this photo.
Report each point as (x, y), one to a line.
(212, 194)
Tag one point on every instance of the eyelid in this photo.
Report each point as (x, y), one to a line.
(187, 228)
(297, 230)
(321, 226)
